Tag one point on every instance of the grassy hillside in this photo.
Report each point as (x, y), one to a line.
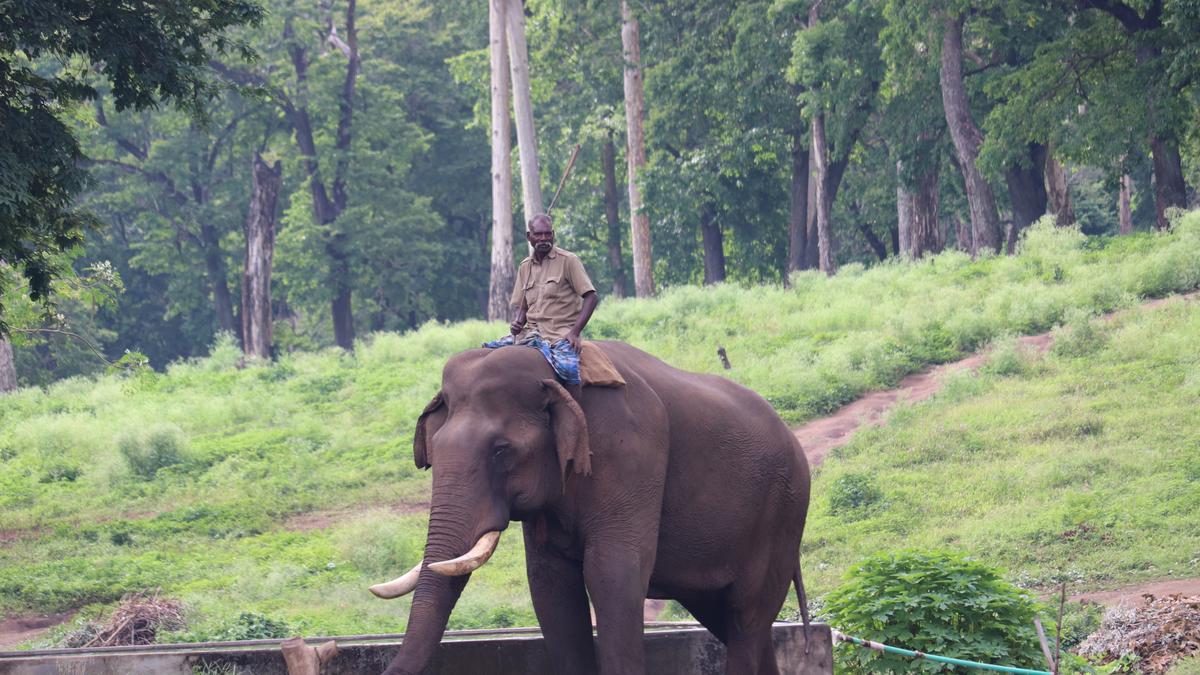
(285, 490)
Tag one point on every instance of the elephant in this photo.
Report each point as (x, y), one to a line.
(676, 485)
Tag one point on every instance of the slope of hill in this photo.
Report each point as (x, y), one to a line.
(284, 490)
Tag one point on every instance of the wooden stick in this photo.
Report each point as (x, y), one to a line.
(1037, 623)
(1062, 600)
(563, 181)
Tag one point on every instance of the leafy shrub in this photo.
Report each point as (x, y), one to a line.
(935, 602)
(1008, 357)
(60, 472)
(252, 626)
(1079, 336)
(158, 448)
(852, 492)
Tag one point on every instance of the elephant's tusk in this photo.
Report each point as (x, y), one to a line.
(471, 560)
(402, 585)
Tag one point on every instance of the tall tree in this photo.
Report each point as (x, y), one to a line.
(518, 57)
(985, 220)
(612, 216)
(257, 317)
(643, 278)
(8, 367)
(502, 276)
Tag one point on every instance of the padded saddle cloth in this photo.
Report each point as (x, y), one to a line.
(596, 369)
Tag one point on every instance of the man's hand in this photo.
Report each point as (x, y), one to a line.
(574, 340)
(517, 325)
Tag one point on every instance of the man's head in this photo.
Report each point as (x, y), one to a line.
(541, 234)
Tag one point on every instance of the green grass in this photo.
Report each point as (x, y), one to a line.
(1077, 464)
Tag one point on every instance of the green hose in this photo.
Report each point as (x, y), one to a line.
(933, 657)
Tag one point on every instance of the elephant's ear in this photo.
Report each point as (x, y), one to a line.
(570, 429)
(428, 423)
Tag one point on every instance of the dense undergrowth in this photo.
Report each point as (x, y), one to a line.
(284, 490)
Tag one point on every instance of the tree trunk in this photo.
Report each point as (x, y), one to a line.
(714, 245)
(8, 368)
(824, 201)
(518, 59)
(1058, 192)
(260, 251)
(962, 233)
(616, 262)
(502, 274)
(904, 213)
(214, 266)
(925, 236)
(1027, 192)
(811, 259)
(643, 279)
(798, 203)
(985, 221)
(1125, 213)
(1170, 190)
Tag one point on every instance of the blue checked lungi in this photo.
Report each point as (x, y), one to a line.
(560, 355)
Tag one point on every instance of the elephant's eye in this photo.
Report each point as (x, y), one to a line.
(500, 449)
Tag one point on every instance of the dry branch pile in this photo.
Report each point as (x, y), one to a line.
(137, 621)
(1166, 630)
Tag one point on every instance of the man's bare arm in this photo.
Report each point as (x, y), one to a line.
(518, 323)
(590, 300)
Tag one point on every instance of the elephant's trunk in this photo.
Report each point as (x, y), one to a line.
(451, 532)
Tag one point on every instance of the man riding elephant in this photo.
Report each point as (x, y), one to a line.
(554, 299)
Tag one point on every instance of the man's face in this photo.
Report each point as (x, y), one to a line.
(541, 236)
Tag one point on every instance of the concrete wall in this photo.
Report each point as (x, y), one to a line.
(689, 650)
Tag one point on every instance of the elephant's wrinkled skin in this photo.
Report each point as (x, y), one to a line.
(697, 491)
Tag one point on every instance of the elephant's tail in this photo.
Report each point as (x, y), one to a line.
(798, 580)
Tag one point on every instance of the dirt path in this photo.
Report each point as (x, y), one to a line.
(820, 436)
(18, 629)
(1140, 594)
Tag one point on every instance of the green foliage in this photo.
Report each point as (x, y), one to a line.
(935, 602)
(1080, 335)
(252, 626)
(851, 492)
(49, 59)
(149, 451)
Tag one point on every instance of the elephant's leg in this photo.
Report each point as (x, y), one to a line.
(617, 582)
(561, 604)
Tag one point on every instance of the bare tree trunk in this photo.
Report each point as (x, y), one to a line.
(1125, 213)
(904, 213)
(643, 279)
(925, 236)
(1170, 190)
(962, 232)
(502, 275)
(616, 262)
(1058, 192)
(260, 252)
(985, 221)
(1027, 192)
(798, 203)
(714, 245)
(214, 265)
(8, 368)
(824, 203)
(518, 59)
(811, 259)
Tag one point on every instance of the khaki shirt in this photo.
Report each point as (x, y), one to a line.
(552, 290)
